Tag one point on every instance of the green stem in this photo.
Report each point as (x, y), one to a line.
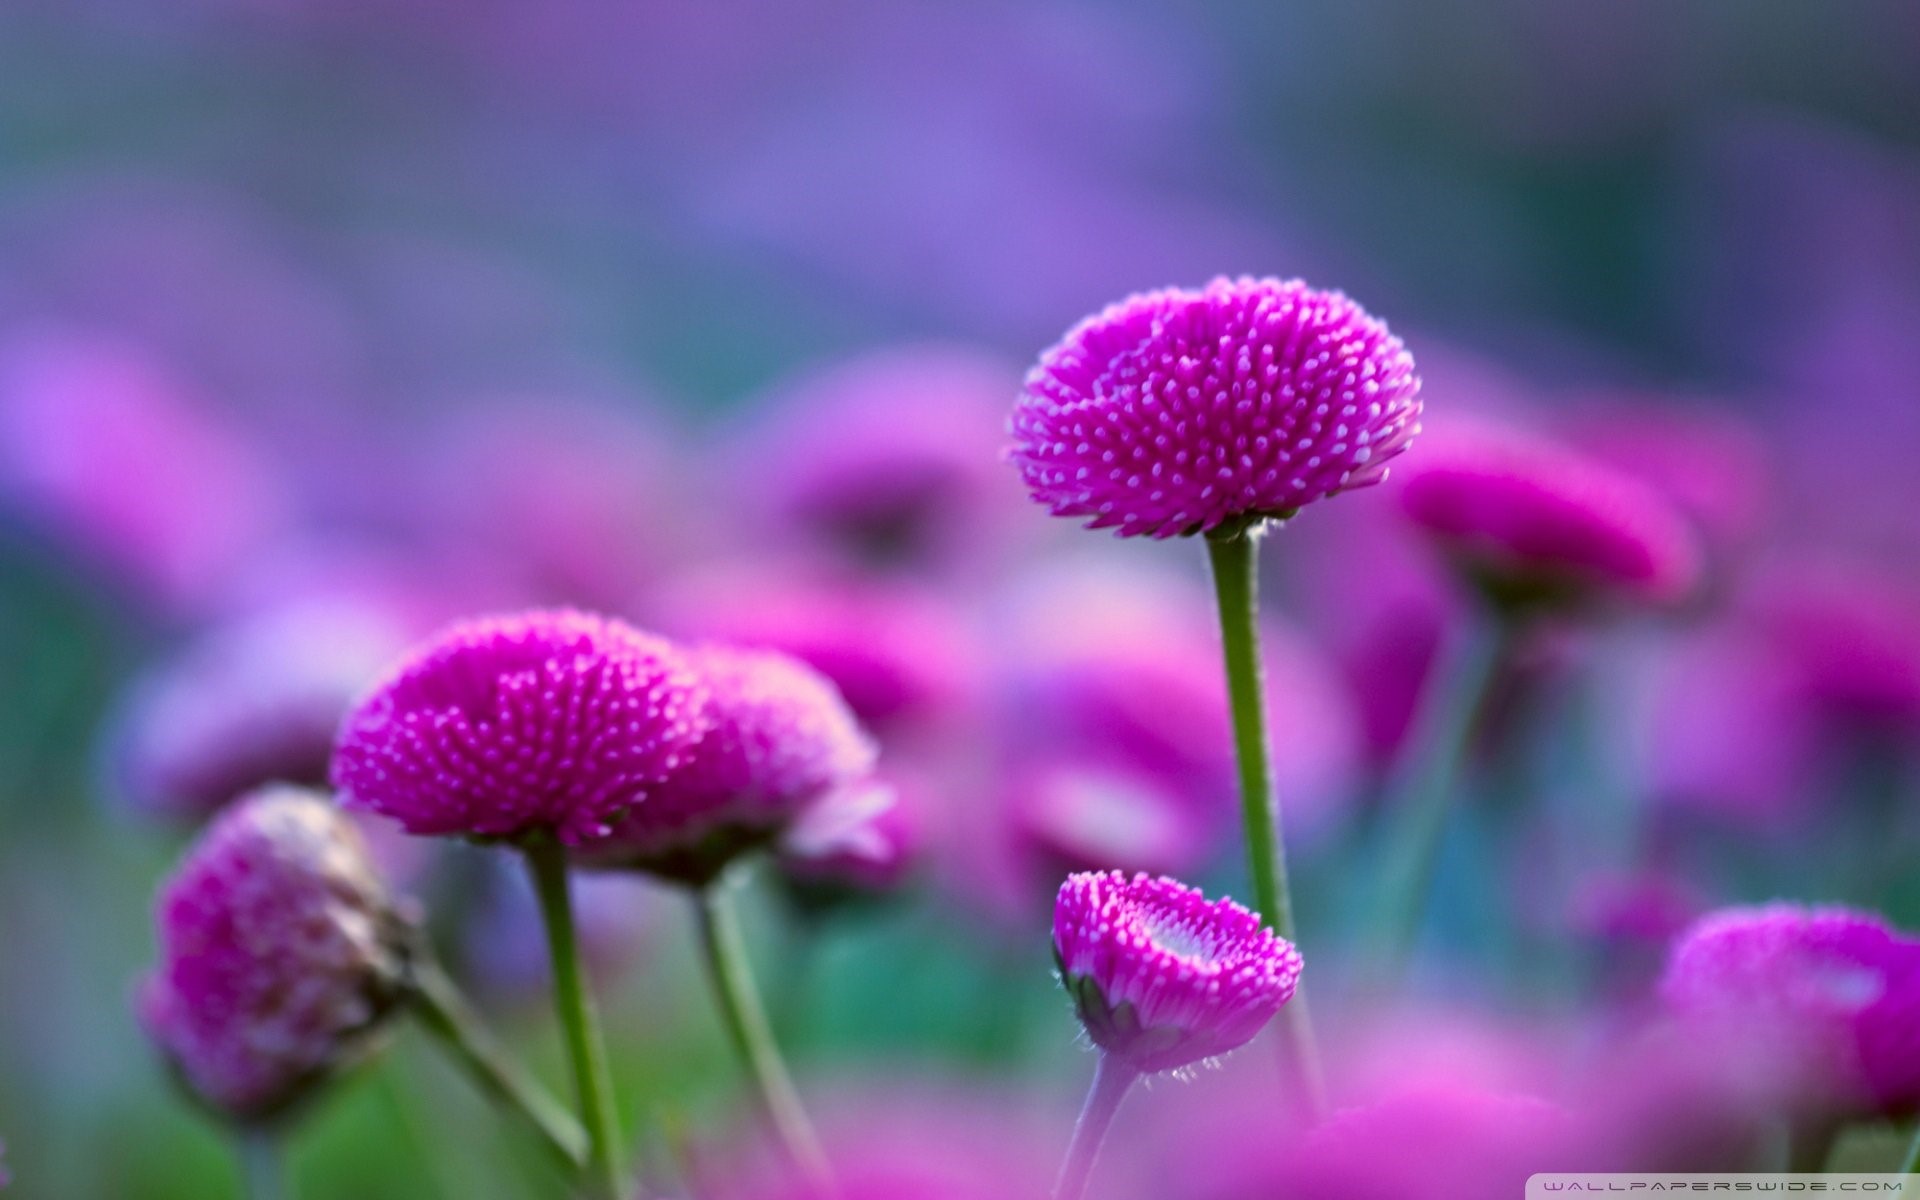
(1233, 559)
(1111, 1081)
(605, 1174)
(1423, 787)
(1810, 1144)
(1910, 1165)
(746, 1021)
(263, 1165)
(440, 1006)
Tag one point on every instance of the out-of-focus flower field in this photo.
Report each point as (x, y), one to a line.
(325, 324)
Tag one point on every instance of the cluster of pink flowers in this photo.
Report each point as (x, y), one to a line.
(865, 692)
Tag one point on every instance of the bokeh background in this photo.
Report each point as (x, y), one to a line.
(323, 321)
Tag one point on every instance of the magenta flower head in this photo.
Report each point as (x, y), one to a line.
(1535, 524)
(280, 955)
(1162, 977)
(780, 738)
(549, 722)
(1180, 411)
(250, 704)
(1826, 1000)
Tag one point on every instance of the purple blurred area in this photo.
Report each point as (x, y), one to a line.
(325, 322)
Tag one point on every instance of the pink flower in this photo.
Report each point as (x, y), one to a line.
(900, 656)
(1069, 816)
(780, 737)
(1708, 462)
(1851, 634)
(1174, 412)
(1534, 523)
(254, 703)
(1449, 1142)
(863, 839)
(888, 458)
(1827, 999)
(102, 444)
(505, 727)
(1162, 977)
(1118, 667)
(567, 495)
(904, 1141)
(279, 954)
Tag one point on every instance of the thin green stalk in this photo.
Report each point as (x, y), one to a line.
(605, 1173)
(1423, 787)
(440, 1006)
(1810, 1145)
(263, 1164)
(1236, 588)
(746, 1021)
(1910, 1165)
(1111, 1081)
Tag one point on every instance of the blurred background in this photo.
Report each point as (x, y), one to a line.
(323, 321)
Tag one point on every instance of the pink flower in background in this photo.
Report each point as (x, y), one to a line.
(888, 458)
(280, 953)
(100, 443)
(1826, 1000)
(1726, 734)
(1066, 817)
(907, 1138)
(1710, 463)
(1449, 1142)
(862, 839)
(779, 738)
(1850, 633)
(1161, 977)
(900, 655)
(1118, 666)
(1176, 411)
(582, 503)
(253, 703)
(1532, 522)
(549, 721)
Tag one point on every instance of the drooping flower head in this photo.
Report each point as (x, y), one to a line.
(1161, 976)
(1178, 411)
(1826, 1000)
(1533, 523)
(780, 738)
(254, 703)
(280, 954)
(505, 727)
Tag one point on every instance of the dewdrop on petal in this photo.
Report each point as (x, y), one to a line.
(549, 722)
(780, 738)
(281, 954)
(1161, 977)
(1181, 411)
